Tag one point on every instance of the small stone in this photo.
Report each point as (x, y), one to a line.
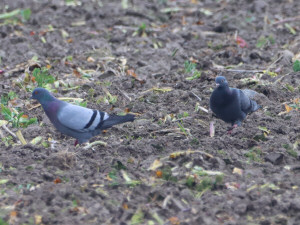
(48, 176)
(295, 205)
(240, 208)
(274, 157)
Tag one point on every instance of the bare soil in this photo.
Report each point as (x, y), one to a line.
(249, 177)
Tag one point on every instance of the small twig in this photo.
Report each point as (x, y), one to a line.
(166, 201)
(136, 28)
(172, 130)
(200, 107)
(196, 96)
(35, 106)
(241, 71)
(125, 94)
(291, 19)
(9, 131)
(265, 28)
(185, 118)
(203, 109)
(269, 67)
(69, 98)
(1, 134)
(184, 153)
(95, 143)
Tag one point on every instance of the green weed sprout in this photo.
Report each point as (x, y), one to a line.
(17, 120)
(42, 77)
(190, 67)
(296, 66)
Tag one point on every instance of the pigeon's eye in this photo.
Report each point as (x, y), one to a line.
(222, 81)
(36, 92)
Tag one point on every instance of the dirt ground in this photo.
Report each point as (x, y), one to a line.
(166, 167)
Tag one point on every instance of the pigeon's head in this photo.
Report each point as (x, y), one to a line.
(42, 95)
(221, 81)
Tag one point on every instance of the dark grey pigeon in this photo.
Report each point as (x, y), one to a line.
(232, 104)
(76, 121)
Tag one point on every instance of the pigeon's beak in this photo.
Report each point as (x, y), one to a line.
(217, 84)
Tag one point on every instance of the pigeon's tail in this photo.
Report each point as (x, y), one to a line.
(254, 106)
(115, 119)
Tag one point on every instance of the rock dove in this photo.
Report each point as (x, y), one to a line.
(76, 121)
(232, 104)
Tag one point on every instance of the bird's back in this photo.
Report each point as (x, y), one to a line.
(225, 105)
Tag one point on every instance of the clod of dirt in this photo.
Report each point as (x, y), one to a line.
(275, 158)
(287, 57)
(62, 160)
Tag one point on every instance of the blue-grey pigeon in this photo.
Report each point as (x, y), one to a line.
(76, 121)
(232, 104)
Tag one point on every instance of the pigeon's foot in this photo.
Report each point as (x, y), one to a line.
(229, 131)
(76, 143)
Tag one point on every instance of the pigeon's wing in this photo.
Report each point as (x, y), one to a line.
(245, 98)
(249, 93)
(79, 118)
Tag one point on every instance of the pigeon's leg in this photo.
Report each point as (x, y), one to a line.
(229, 131)
(76, 143)
(235, 125)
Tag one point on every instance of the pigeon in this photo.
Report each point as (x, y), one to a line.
(76, 121)
(232, 104)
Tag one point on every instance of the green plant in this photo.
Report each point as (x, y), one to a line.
(13, 15)
(183, 115)
(119, 166)
(203, 180)
(141, 31)
(15, 118)
(5, 98)
(167, 174)
(42, 77)
(196, 75)
(182, 129)
(25, 14)
(254, 154)
(7, 140)
(290, 150)
(2, 222)
(194, 142)
(190, 67)
(264, 41)
(296, 66)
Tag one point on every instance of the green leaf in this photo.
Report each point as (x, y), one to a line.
(36, 140)
(9, 14)
(137, 218)
(296, 66)
(4, 181)
(42, 77)
(170, 10)
(2, 222)
(290, 28)
(197, 74)
(264, 129)
(6, 112)
(189, 66)
(26, 13)
(125, 4)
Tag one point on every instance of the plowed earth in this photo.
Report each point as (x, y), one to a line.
(249, 177)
